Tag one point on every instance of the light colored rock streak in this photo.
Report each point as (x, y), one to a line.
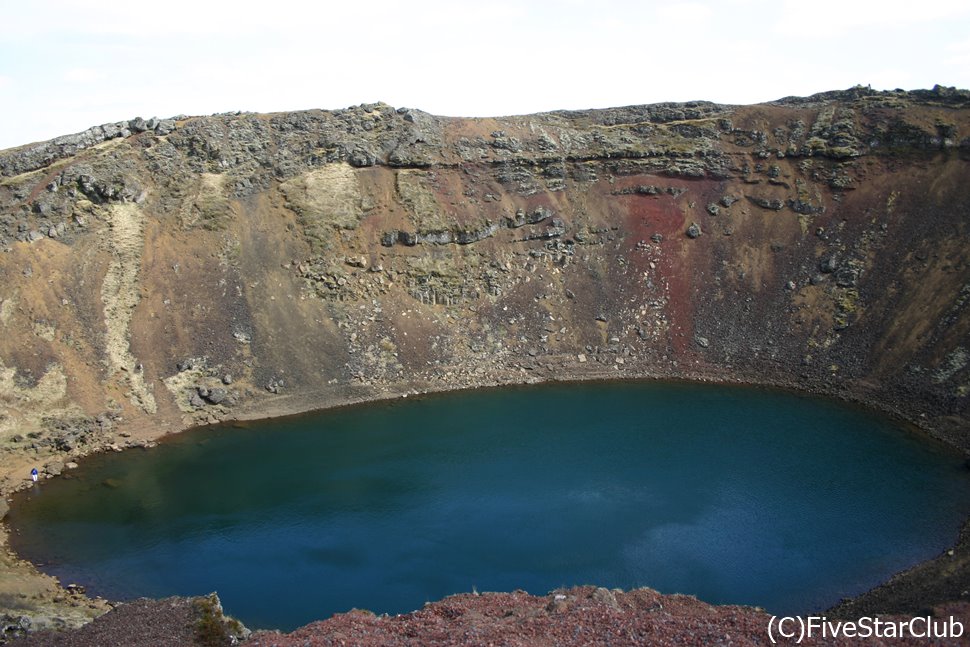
(326, 197)
(120, 295)
(22, 407)
(182, 384)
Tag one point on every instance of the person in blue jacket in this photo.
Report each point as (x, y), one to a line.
(33, 475)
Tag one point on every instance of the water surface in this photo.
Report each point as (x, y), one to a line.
(735, 495)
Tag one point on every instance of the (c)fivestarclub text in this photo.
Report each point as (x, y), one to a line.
(798, 628)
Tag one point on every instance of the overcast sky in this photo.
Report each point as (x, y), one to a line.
(68, 65)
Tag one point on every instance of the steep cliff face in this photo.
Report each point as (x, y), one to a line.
(164, 273)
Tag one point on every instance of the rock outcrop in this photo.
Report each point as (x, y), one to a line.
(321, 257)
(173, 622)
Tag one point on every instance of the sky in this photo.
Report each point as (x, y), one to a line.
(68, 65)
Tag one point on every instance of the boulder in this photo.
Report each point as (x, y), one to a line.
(54, 468)
(828, 264)
(847, 276)
(805, 208)
(165, 126)
(216, 396)
(361, 158)
(767, 203)
(66, 442)
(538, 215)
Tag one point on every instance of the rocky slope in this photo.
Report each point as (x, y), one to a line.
(164, 273)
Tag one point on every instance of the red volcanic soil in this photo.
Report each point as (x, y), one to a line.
(570, 617)
(578, 616)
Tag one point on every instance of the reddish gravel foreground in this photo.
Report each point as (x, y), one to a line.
(578, 616)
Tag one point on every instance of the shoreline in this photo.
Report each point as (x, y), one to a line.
(62, 608)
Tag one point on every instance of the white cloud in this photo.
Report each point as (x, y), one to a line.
(83, 75)
(685, 13)
(958, 55)
(824, 19)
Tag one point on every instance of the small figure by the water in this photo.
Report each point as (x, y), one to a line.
(33, 475)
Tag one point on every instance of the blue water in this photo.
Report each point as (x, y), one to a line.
(735, 495)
